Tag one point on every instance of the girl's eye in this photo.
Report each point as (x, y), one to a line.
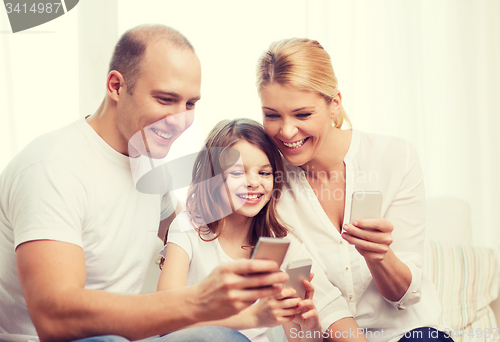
(266, 173)
(237, 173)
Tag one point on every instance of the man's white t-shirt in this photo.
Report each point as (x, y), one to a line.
(71, 186)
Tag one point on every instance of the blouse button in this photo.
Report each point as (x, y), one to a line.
(340, 242)
(346, 268)
(350, 296)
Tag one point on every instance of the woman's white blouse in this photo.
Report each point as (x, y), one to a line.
(372, 163)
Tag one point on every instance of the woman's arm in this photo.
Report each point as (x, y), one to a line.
(393, 245)
(391, 275)
(344, 330)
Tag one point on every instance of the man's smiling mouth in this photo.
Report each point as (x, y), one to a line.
(162, 134)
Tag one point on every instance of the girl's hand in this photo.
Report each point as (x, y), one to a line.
(308, 317)
(371, 237)
(273, 311)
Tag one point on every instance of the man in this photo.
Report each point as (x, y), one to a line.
(75, 234)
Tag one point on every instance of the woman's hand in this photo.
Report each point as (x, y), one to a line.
(277, 310)
(371, 237)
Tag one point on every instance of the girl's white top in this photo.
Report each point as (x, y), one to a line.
(204, 256)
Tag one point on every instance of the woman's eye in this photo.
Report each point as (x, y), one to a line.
(266, 173)
(303, 115)
(271, 116)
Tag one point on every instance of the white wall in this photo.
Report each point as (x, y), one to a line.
(426, 71)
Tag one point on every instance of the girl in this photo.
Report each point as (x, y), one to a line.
(231, 203)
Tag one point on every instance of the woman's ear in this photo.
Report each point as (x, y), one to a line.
(335, 106)
(115, 85)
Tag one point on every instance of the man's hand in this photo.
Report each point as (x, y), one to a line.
(232, 287)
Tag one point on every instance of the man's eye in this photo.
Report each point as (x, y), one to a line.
(163, 99)
(190, 105)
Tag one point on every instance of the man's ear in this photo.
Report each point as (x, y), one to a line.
(115, 85)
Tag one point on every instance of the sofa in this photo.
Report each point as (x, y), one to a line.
(466, 277)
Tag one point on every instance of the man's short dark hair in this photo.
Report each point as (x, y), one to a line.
(129, 50)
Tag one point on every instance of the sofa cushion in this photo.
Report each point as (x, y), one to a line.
(467, 280)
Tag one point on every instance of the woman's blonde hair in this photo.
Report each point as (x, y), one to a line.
(301, 63)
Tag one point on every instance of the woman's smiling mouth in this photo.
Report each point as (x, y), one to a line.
(295, 144)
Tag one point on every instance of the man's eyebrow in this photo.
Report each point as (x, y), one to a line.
(172, 94)
(166, 93)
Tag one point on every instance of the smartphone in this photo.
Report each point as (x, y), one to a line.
(271, 248)
(366, 204)
(298, 271)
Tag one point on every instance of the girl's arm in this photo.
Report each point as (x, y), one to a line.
(305, 326)
(266, 312)
(175, 268)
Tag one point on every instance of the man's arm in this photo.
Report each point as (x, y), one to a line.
(52, 276)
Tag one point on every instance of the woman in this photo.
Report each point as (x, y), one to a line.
(376, 262)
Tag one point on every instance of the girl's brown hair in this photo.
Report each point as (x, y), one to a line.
(303, 64)
(204, 204)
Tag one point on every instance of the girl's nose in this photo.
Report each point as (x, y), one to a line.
(253, 181)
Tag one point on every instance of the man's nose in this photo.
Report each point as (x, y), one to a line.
(180, 121)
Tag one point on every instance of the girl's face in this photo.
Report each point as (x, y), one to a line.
(297, 121)
(249, 181)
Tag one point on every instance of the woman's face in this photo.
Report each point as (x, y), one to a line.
(297, 121)
(249, 181)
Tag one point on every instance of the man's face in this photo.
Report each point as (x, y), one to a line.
(162, 105)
